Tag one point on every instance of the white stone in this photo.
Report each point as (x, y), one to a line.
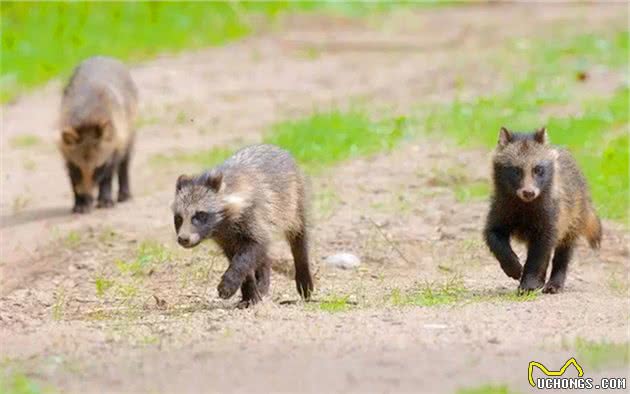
(344, 261)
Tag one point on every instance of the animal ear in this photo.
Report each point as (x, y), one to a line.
(214, 180)
(182, 181)
(540, 135)
(69, 136)
(505, 136)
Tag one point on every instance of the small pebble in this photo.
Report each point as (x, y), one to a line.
(344, 261)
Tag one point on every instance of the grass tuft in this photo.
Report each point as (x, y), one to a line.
(102, 285)
(600, 355)
(335, 304)
(24, 141)
(326, 138)
(431, 294)
(12, 382)
(148, 255)
(203, 159)
(486, 389)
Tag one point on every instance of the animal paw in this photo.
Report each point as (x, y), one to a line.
(529, 284)
(227, 287)
(552, 288)
(514, 271)
(244, 304)
(124, 196)
(105, 203)
(81, 208)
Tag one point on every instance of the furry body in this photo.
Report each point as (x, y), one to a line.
(540, 198)
(98, 108)
(240, 204)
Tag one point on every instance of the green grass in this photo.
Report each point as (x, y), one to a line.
(472, 191)
(102, 285)
(596, 133)
(24, 141)
(430, 294)
(334, 304)
(486, 389)
(452, 291)
(44, 40)
(148, 255)
(72, 239)
(19, 383)
(600, 355)
(326, 138)
(202, 159)
(512, 296)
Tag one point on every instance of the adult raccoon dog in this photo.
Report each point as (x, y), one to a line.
(239, 204)
(97, 113)
(542, 199)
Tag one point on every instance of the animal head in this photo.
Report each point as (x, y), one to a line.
(524, 164)
(88, 148)
(201, 206)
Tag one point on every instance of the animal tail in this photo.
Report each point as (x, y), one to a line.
(593, 229)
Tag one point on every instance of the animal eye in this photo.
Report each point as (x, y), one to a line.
(200, 218)
(178, 221)
(539, 170)
(515, 171)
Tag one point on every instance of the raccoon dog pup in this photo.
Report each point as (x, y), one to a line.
(240, 204)
(542, 199)
(97, 113)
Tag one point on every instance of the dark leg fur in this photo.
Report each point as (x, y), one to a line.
(299, 249)
(82, 202)
(499, 243)
(105, 176)
(263, 277)
(561, 258)
(249, 290)
(535, 270)
(124, 193)
(242, 264)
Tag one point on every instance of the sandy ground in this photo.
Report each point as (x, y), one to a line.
(166, 330)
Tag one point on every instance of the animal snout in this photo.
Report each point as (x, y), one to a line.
(527, 194)
(183, 240)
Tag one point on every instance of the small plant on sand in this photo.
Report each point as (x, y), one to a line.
(325, 202)
(102, 285)
(148, 255)
(325, 138)
(486, 389)
(201, 159)
(619, 284)
(29, 164)
(20, 203)
(335, 304)
(24, 141)
(12, 382)
(509, 296)
(431, 294)
(601, 354)
(475, 190)
(72, 239)
(59, 304)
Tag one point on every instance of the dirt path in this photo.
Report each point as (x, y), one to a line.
(409, 230)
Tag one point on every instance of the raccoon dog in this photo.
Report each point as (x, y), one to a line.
(540, 198)
(97, 113)
(240, 204)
